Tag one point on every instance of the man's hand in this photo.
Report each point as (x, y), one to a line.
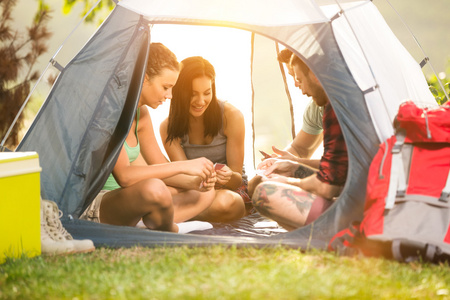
(283, 154)
(281, 179)
(278, 166)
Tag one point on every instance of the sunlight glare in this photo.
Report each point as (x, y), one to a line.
(228, 50)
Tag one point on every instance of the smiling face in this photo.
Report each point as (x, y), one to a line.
(201, 96)
(155, 91)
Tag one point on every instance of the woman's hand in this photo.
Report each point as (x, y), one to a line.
(209, 183)
(224, 175)
(201, 167)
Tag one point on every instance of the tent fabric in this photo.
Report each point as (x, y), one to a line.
(82, 125)
(293, 12)
(393, 71)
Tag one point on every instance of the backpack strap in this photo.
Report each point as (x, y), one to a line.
(445, 195)
(344, 242)
(397, 181)
(407, 251)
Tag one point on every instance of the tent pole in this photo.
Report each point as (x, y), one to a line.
(291, 107)
(252, 52)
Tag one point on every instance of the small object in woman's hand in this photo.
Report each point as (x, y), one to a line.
(265, 154)
(218, 166)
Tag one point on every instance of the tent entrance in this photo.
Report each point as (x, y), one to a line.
(73, 156)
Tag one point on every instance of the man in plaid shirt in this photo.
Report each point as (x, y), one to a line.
(295, 192)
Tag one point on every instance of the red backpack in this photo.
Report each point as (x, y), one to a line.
(407, 208)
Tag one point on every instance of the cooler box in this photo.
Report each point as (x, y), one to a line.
(19, 205)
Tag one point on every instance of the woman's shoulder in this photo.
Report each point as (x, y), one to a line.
(144, 114)
(230, 110)
(145, 120)
(233, 117)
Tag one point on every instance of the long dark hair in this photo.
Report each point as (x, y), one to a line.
(191, 68)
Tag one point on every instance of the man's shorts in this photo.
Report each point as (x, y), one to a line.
(319, 206)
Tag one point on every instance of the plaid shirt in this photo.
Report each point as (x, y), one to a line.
(334, 162)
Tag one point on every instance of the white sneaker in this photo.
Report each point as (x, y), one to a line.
(81, 246)
(51, 242)
(51, 247)
(55, 230)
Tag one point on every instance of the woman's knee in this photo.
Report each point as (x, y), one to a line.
(154, 192)
(228, 201)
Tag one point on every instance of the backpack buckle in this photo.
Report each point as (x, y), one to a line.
(444, 197)
(397, 148)
(400, 194)
(400, 140)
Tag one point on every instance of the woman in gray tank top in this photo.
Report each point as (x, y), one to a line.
(199, 125)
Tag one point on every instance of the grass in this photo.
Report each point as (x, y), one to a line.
(219, 273)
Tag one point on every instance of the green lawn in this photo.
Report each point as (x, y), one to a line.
(219, 273)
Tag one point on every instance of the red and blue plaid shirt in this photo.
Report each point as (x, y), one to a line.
(334, 162)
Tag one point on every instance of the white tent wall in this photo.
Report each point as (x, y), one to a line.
(264, 13)
(393, 72)
(303, 26)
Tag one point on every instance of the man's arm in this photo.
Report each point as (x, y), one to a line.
(313, 185)
(310, 184)
(304, 144)
(310, 136)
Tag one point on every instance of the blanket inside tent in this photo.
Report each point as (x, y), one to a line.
(82, 125)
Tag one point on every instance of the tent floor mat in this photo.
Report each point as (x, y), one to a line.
(251, 231)
(251, 226)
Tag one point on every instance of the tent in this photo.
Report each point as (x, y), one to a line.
(82, 125)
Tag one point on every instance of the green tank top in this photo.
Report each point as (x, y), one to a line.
(132, 152)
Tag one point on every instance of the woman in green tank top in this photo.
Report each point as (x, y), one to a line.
(144, 187)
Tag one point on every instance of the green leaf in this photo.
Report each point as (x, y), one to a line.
(68, 5)
(434, 91)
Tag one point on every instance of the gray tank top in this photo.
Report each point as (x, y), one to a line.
(216, 151)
